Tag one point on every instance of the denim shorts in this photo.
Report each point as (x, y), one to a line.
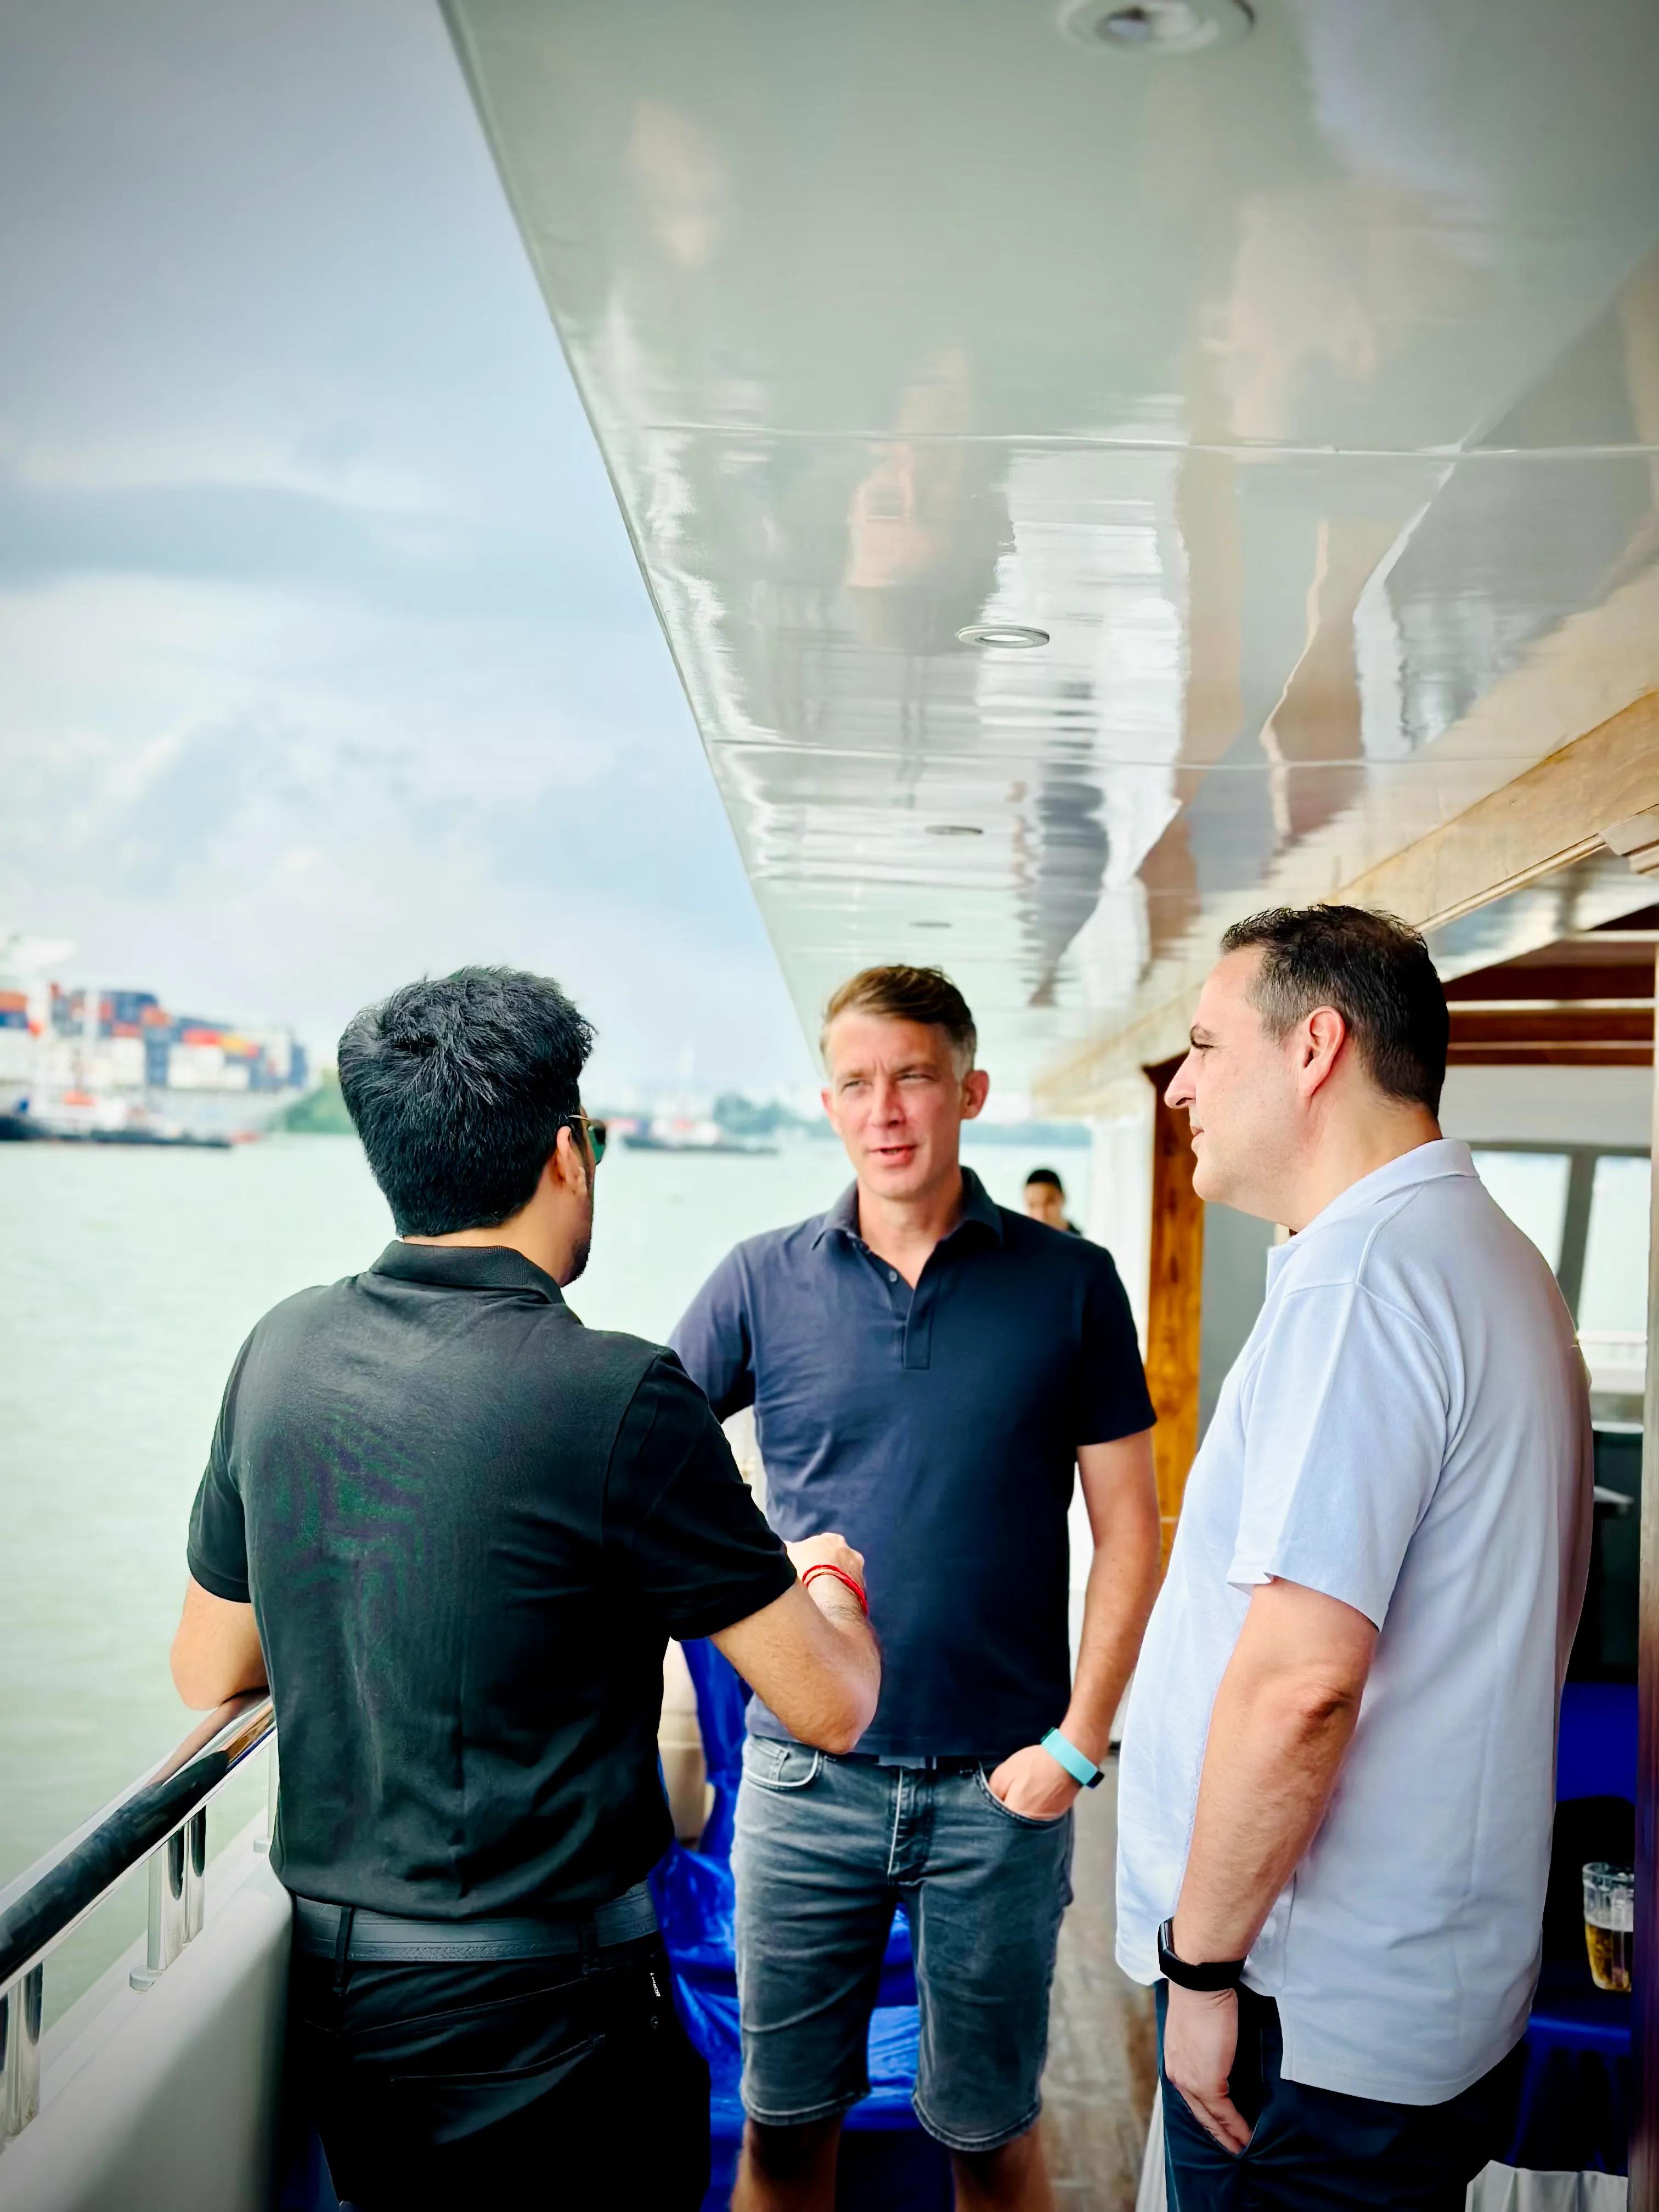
(824, 1850)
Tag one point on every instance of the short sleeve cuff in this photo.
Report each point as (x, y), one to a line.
(1323, 1580)
(1246, 1575)
(1112, 1428)
(721, 1609)
(226, 1587)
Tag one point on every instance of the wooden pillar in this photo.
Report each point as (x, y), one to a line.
(1644, 2130)
(1175, 1296)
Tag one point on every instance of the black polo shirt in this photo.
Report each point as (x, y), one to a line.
(468, 1525)
(937, 1429)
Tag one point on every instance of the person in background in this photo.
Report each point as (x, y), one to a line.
(454, 1530)
(1338, 1767)
(1045, 1200)
(930, 1372)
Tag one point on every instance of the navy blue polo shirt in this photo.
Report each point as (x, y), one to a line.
(937, 1429)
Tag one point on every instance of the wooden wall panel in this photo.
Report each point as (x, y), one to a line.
(1552, 814)
(1174, 1299)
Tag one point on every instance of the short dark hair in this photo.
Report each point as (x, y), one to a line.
(458, 1089)
(907, 994)
(1046, 1176)
(1374, 969)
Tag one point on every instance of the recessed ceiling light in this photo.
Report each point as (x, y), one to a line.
(1010, 636)
(954, 829)
(1164, 27)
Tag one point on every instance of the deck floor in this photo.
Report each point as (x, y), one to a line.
(1103, 2052)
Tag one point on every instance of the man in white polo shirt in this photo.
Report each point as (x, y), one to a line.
(1338, 1767)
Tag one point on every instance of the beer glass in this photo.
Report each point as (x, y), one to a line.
(1609, 1916)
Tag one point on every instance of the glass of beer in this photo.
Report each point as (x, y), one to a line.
(1609, 1916)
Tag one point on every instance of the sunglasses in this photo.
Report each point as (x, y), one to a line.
(597, 1135)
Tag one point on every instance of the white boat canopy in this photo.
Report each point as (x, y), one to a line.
(1104, 469)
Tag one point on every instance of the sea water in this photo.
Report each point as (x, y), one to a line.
(130, 1278)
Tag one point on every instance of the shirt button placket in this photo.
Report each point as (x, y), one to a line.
(918, 1328)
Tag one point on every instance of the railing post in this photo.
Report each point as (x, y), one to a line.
(19, 2052)
(195, 1872)
(272, 1784)
(178, 1894)
(39, 1906)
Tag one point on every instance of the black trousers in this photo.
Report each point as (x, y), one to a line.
(534, 2083)
(1316, 2150)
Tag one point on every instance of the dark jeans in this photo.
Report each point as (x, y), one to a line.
(532, 2083)
(1316, 2150)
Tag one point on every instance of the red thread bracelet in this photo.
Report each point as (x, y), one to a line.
(824, 1567)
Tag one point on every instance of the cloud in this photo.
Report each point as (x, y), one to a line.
(300, 838)
(324, 659)
(430, 566)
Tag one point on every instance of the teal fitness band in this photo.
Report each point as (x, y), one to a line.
(1079, 1768)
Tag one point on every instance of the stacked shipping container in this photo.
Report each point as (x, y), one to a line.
(127, 1040)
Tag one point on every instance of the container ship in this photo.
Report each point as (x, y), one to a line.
(79, 1064)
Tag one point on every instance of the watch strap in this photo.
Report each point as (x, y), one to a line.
(1212, 1974)
(1078, 1765)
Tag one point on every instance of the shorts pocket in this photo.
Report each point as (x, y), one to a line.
(770, 1763)
(1019, 1820)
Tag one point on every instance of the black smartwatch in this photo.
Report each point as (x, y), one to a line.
(1213, 1974)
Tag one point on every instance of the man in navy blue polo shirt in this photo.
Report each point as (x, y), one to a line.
(928, 1371)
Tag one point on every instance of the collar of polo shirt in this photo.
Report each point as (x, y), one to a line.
(978, 1207)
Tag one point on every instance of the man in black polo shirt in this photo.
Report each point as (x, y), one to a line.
(454, 1529)
(928, 1372)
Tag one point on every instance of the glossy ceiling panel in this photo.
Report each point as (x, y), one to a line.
(1304, 394)
(1594, 895)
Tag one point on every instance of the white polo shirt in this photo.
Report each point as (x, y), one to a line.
(1406, 1429)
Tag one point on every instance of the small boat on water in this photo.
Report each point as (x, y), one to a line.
(25, 1128)
(676, 1133)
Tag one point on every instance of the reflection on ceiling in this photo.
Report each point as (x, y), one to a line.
(1580, 996)
(1594, 896)
(1302, 392)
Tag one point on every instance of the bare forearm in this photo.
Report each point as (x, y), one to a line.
(859, 1653)
(833, 1703)
(1270, 1765)
(1122, 1584)
(203, 1686)
(215, 1653)
(814, 1661)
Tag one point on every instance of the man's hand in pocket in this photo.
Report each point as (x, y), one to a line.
(1033, 1785)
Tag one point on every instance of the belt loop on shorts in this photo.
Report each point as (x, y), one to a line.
(587, 1935)
(342, 1948)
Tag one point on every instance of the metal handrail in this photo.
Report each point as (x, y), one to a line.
(161, 1818)
(47, 1901)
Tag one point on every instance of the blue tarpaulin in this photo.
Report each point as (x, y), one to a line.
(888, 2164)
(1577, 2092)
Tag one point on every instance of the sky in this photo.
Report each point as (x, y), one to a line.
(324, 661)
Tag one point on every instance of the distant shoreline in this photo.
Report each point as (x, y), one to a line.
(322, 1113)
